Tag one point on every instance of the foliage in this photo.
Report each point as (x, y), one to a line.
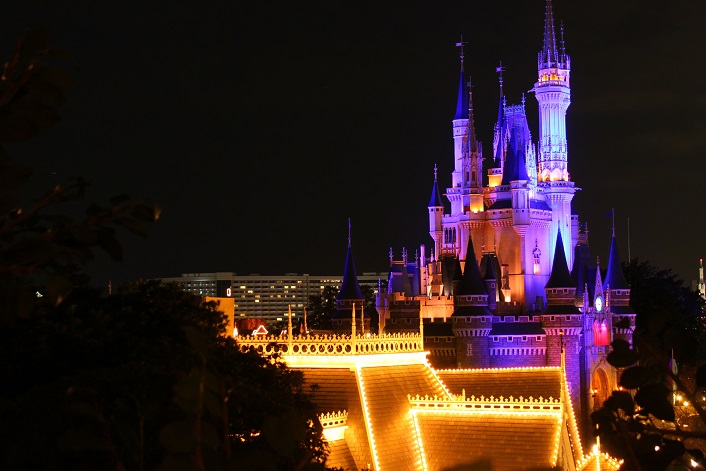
(669, 314)
(321, 309)
(38, 241)
(643, 423)
(144, 379)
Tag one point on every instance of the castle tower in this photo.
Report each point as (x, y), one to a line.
(553, 94)
(436, 213)
(472, 320)
(350, 297)
(563, 323)
(461, 136)
(617, 300)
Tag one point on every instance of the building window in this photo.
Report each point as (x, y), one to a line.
(536, 254)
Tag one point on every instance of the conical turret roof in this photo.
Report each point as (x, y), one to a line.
(560, 277)
(615, 279)
(435, 200)
(462, 99)
(472, 281)
(350, 289)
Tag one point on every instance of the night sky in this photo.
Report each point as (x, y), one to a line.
(259, 128)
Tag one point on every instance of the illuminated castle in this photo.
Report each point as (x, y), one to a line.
(491, 352)
(509, 280)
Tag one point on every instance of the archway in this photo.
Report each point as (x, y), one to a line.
(600, 389)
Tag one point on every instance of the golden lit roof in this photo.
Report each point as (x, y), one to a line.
(391, 425)
(526, 382)
(337, 389)
(403, 415)
(599, 462)
(507, 442)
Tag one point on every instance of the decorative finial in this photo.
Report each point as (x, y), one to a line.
(500, 69)
(390, 254)
(612, 213)
(435, 172)
(349, 232)
(460, 45)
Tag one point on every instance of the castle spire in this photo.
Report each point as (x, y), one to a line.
(462, 99)
(560, 277)
(350, 289)
(472, 281)
(614, 278)
(436, 200)
(549, 54)
(472, 139)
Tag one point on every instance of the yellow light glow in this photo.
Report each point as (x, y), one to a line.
(332, 434)
(368, 422)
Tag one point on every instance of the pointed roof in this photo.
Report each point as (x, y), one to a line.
(560, 277)
(435, 200)
(549, 50)
(471, 282)
(472, 138)
(615, 277)
(515, 167)
(462, 99)
(350, 289)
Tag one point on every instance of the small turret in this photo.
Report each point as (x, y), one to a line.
(615, 279)
(560, 289)
(436, 213)
(349, 297)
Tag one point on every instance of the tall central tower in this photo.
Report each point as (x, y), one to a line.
(553, 93)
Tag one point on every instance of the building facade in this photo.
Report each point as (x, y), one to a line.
(266, 297)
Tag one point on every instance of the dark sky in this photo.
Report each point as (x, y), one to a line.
(260, 127)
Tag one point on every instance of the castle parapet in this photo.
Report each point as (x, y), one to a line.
(368, 344)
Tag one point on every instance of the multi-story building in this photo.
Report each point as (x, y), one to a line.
(265, 297)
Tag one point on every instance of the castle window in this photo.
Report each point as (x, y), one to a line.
(551, 318)
(524, 339)
(495, 339)
(539, 338)
(509, 339)
(568, 318)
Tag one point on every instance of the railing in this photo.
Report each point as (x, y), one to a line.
(333, 344)
(491, 403)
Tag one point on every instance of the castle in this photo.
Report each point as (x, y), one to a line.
(510, 280)
(492, 349)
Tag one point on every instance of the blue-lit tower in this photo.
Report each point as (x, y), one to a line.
(553, 93)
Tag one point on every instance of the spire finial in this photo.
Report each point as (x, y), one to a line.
(549, 52)
(349, 232)
(461, 45)
(435, 172)
(500, 69)
(612, 213)
(391, 258)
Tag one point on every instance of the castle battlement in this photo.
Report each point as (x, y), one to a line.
(333, 344)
